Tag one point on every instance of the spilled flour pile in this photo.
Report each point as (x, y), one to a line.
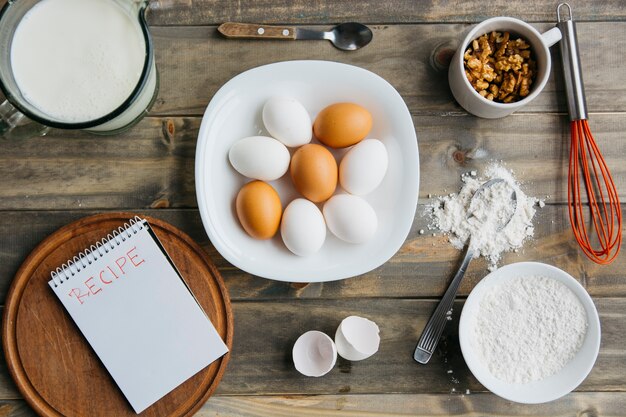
(481, 220)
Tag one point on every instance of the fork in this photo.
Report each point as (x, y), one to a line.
(443, 313)
(434, 328)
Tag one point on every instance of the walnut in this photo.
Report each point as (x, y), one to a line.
(474, 63)
(524, 88)
(481, 85)
(508, 85)
(500, 68)
(489, 76)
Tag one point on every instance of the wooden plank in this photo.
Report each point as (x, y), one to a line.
(261, 361)
(8, 390)
(426, 405)
(194, 62)
(203, 12)
(152, 165)
(605, 404)
(16, 408)
(422, 267)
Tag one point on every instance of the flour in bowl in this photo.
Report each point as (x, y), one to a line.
(453, 215)
(528, 328)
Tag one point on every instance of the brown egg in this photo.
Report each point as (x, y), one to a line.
(342, 124)
(259, 209)
(314, 172)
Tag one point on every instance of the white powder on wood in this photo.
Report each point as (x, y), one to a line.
(489, 211)
(528, 328)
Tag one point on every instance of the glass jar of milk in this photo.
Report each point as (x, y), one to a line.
(75, 64)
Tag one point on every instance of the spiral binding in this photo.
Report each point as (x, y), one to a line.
(90, 255)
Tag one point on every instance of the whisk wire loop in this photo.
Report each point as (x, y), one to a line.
(588, 168)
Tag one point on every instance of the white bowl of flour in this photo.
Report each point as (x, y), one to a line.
(529, 332)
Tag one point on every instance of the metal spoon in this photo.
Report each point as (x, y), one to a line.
(434, 328)
(346, 36)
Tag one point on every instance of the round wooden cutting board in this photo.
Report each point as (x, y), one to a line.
(54, 366)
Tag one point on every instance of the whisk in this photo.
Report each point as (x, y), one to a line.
(587, 167)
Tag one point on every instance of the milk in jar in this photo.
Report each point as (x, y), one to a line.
(77, 60)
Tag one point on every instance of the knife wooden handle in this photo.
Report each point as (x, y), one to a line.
(254, 31)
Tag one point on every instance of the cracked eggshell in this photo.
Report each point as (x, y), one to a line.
(314, 354)
(357, 338)
(363, 168)
(287, 120)
(260, 158)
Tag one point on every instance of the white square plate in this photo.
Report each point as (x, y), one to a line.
(235, 113)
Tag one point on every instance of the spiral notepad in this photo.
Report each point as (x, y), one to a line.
(135, 310)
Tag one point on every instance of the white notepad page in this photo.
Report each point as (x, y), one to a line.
(141, 319)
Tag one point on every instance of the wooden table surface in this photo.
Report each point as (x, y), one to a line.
(48, 182)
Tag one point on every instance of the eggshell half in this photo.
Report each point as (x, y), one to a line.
(357, 338)
(314, 354)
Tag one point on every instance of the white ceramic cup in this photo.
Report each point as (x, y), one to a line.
(469, 98)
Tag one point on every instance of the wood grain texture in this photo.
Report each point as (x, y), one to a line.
(261, 361)
(194, 62)
(425, 405)
(152, 165)
(582, 404)
(422, 267)
(73, 382)
(203, 12)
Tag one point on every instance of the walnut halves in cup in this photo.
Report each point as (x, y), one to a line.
(500, 69)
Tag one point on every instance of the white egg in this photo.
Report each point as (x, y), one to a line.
(259, 157)
(350, 218)
(302, 228)
(288, 121)
(363, 168)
